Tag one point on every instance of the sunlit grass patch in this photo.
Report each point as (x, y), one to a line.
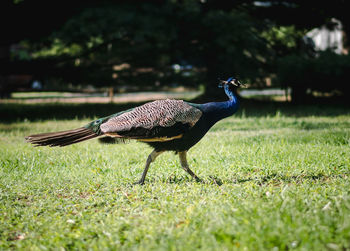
(271, 182)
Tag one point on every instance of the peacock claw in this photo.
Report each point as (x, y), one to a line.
(140, 182)
(198, 180)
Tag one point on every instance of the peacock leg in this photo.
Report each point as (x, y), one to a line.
(150, 159)
(184, 165)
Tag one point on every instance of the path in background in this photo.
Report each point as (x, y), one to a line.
(134, 97)
(66, 97)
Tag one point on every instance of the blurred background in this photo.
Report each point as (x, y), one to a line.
(96, 51)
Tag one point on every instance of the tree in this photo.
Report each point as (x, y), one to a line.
(137, 42)
(153, 35)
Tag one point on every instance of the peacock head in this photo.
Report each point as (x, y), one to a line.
(230, 81)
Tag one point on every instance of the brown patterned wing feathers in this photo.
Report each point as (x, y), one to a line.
(161, 119)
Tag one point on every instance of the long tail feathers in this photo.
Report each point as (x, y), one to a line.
(63, 138)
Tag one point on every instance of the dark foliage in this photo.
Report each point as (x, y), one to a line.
(115, 43)
(327, 73)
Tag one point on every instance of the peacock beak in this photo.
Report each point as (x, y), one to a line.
(236, 82)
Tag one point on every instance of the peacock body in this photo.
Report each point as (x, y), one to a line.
(166, 125)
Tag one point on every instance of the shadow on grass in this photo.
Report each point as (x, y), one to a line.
(250, 108)
(277, 179)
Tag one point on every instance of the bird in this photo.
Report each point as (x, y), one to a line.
(165, 125)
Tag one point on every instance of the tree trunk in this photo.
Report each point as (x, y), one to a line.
(298, 94)
(4, 58)
(212, 91)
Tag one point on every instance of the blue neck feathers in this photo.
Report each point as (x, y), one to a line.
(220, 110)
(229, 93)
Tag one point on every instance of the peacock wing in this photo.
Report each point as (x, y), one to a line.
(160, 120)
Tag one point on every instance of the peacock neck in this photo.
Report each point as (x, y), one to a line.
(220, 110)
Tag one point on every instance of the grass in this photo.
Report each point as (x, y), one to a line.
(276, 179)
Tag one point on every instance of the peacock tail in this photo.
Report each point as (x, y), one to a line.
(63, 138)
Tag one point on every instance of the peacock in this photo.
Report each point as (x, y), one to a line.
(165, 125)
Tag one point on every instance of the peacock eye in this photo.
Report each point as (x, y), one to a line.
(97, 121)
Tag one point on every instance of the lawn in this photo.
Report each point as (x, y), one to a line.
(277, 178)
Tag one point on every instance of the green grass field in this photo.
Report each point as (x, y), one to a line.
(276, 179)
